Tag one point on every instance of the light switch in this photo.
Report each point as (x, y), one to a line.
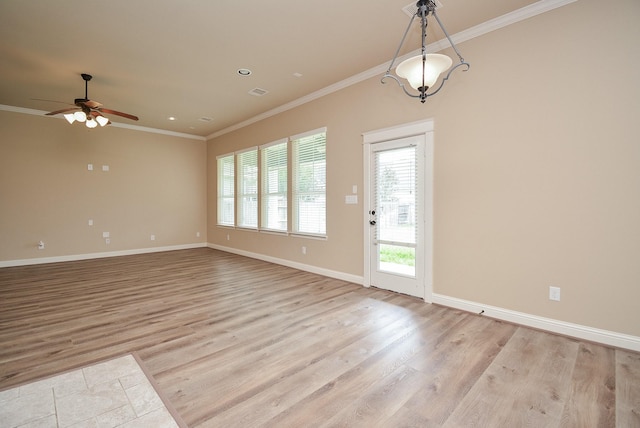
(105, 168)
(90, 167)
(351, 199)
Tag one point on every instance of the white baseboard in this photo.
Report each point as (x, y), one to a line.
(605, 337)
(301, 266)
(74, 257)
(578, 331)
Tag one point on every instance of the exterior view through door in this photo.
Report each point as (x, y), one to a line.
(398, 239)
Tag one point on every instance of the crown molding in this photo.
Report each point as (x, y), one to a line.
(42, 113)
(521, 14)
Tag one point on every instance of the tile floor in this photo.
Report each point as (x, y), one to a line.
(115, 393)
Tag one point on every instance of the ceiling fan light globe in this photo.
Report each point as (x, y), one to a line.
(80, 116)
(102, 121)
(70, 117)
(411, 69)
(91, 123)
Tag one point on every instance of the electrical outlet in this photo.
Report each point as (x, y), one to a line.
(153, 237)
(40, 245)
(304, 250)
(228, 237)
(554, 293)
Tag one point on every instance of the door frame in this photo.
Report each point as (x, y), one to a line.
(423, 127)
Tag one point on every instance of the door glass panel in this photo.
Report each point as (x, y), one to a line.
(397, 259)
(395, 196)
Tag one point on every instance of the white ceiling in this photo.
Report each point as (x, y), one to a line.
(162, 58)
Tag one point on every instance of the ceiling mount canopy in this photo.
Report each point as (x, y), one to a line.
(422, 71)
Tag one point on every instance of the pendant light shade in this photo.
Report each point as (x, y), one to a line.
(423, 71)
(70, 117)
(411, 69)
(91, 123)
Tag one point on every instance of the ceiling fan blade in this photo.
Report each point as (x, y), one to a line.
(92, 104)
(117, 113)
(64, 110)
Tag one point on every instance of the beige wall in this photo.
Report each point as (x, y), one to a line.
(156, 184)
(537, 168)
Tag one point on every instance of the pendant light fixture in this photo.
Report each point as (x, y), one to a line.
(422, 71)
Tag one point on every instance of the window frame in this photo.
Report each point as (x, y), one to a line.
(243, 183)
(222, 195)
(296, 186)
(266, 194)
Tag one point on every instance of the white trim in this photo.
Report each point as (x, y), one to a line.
(605, 337)
(76, 257)
(300, 266)
(157, 131)
(398, 131)
(521, 14)
(420, 128)
(322, 130)
(245, 150)
(43, 113)
(274, 143)
(224, 156)
(494, 24)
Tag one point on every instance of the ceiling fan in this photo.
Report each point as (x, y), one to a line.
(89, 111)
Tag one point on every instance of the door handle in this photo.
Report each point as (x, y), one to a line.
(372, 222)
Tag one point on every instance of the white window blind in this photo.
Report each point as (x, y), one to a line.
(309, 183)
(274, 186)
(396, 196)
(248, 188)
(226, 190)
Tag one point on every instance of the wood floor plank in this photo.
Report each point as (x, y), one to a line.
(262, 407)
(627, 388)
(238, 342)
(452, 366)
(381, 401)
(349, 386)
(591, 399)
(526, 385)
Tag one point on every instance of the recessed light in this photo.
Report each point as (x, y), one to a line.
(205, 119)
(297, 74)
(244, 72)
(171, 118)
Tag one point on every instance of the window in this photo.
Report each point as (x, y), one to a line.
(254, 186)
(248, 188)
(226, 190)
(274, 186)
(309, 182)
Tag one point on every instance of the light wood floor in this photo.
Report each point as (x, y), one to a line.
(237, 342)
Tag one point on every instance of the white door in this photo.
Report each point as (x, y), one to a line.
(398, 235)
